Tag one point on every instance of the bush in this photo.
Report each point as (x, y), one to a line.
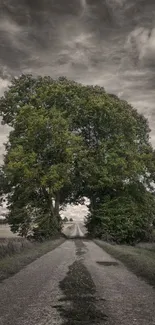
(47, 228)
(122, 219)
(3, 221)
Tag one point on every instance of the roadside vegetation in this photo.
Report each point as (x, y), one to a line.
(16, 253)
(69, 141)
(140, 260)
(11, 246)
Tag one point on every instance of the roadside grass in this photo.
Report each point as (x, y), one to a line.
(11, 246)
(140, 261)
(16, 253)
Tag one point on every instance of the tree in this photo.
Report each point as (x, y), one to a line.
(117, 156)
(71, 219)
(124, 218)
(70, 141)
(38, 165)
(65, 219)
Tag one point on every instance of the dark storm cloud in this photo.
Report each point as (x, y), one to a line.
(106, 42)
(109, 42)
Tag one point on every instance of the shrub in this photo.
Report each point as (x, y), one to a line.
(122, 219)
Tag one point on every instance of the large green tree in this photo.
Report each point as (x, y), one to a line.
(38, 167)
(69, 141)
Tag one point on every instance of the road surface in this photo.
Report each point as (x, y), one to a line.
(76, 284)
(75, 229)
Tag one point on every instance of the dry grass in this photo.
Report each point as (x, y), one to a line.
(11, 246)
(17, 253)
(139, 260)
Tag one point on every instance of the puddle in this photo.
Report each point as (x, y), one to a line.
(104, 263)
(79, 304)
(80, 248)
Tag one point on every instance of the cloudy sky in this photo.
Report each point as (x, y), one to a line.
(76, 212)
(106, 42)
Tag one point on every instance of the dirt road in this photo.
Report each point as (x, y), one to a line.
(77, 283)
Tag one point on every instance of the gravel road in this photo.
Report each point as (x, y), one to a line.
(76, 284)
(76, 231)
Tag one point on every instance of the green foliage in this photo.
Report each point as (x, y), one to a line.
(39, 159)
(19, 220)
(71, 219)
(125, 218)
(65, 219)
(69, 141)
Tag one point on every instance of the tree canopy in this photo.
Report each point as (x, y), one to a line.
(68, 141)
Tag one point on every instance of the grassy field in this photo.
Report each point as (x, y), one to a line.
(5, 232)
(12, 246)
(140, 260)
(16, 253)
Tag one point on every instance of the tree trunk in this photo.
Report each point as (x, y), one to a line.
(92, 203)
(57, 204)
(52, 209)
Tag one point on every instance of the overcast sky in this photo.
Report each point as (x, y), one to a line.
(106, 42)
(76, 212)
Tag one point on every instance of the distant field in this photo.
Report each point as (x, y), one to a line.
(5, 232)
(67, 224)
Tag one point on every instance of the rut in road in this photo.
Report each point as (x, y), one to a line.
(79, 304)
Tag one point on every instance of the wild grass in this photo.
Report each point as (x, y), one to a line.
(140, 260)
(16, 253)
(11, 246)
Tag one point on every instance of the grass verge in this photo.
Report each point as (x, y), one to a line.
(11, 246)
(140, 261)
(11, 264)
